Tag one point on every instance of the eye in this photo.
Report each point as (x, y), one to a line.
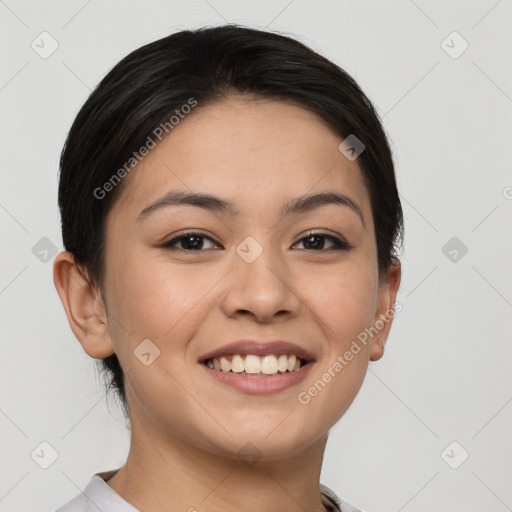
(191, 241)
(316, 242)
(313, 241)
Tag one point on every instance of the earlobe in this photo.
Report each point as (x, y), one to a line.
(386, 309)
(377, 350)
(84, 307)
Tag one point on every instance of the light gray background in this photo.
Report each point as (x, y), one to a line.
(446, 372)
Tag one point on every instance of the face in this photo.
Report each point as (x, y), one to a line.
(193, 278)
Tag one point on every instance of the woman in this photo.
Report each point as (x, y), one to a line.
(231, 218)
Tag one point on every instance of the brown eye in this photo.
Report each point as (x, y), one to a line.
(189, 242)
(317, 242)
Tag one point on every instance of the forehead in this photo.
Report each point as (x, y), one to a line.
(250, 151)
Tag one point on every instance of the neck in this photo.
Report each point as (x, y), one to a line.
(161, 471)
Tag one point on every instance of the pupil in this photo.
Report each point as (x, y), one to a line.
(194, 245)
(318, 245)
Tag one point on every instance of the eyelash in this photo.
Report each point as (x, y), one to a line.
(339, 244)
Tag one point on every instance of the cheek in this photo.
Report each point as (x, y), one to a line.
(344, 299)
(344, 302)
(163, 303)
(155, 299)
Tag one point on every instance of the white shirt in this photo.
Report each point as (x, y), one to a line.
(98, 496)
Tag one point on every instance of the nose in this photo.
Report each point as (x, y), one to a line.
(262, 289)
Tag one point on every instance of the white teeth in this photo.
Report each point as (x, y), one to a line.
(269, 365)
(282, 363)
(225, 365)
(253, 364)
(237, 364)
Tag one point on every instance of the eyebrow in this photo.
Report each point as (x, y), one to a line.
(213, 203)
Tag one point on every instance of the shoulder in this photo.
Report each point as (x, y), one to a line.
(81, 503)
(334, 502)
(98, 496)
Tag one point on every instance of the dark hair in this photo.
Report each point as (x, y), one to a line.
(153, 82)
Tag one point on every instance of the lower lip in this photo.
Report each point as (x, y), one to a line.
(259, 385)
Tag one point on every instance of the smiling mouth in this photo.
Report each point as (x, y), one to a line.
(252, 365)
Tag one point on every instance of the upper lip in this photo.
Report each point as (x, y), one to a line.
(259, 348)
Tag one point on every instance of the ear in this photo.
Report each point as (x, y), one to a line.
(84, 306)
(388, 288)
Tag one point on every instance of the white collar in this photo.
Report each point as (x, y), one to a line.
(98, 496)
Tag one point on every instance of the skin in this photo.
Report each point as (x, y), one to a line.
(187, 428)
